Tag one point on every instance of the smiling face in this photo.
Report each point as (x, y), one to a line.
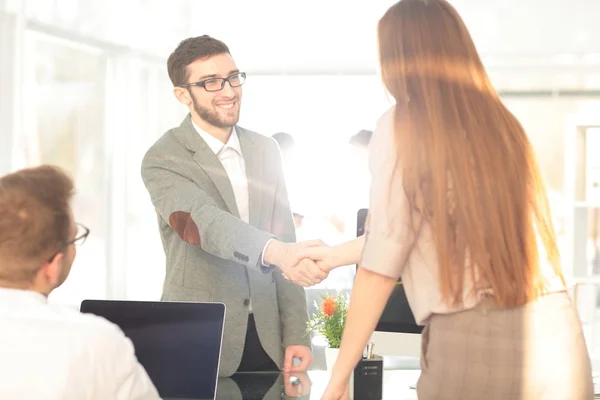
(216, 107)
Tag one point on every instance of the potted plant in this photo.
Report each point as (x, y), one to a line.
(329, 321)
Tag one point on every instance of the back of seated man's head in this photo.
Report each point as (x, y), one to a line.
(37, 230)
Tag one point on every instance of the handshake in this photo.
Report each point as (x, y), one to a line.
(304, 263)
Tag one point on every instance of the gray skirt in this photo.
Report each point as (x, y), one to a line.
(532, 352)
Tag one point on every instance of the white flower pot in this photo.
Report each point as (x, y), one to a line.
(331, 356)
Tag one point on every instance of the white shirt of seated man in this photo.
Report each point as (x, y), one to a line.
(50, 352)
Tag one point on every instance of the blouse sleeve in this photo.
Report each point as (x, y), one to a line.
(389, 236)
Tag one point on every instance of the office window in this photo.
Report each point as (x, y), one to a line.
(152, 112)
(152, 26)
(64, 102)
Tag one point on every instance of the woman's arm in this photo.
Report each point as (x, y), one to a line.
(370, 294)
(329, 258)
(391, 233)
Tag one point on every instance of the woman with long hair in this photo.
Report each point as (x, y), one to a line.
(459, 211)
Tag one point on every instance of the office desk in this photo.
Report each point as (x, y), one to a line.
(271, 386)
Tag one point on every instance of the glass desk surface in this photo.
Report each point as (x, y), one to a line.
(397, 384)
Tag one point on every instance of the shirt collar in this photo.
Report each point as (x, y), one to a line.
(8, 295)
(216, 145)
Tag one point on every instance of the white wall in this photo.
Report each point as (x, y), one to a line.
(329, 109)
(336, 35)
(545, 120)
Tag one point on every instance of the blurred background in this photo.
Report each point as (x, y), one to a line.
(83, 84)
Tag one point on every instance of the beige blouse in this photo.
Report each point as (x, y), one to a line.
(389, 238)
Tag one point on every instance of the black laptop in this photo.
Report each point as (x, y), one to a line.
(179, 344)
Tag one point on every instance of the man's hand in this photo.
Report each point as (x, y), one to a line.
(288, 257)
(306, 273)
(304, 353)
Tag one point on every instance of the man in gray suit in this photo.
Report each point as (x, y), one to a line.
(224, 217)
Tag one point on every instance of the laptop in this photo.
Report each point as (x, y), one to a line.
(178, 343)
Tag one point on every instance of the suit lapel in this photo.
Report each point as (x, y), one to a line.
(209, 162)
(254, 172)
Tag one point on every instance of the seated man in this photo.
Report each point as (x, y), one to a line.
(47, 352)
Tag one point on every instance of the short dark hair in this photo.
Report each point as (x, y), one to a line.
(190, 50)
(35, 219)
(285, 140)
(362, 138)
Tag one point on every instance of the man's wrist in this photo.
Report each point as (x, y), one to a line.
(272, 252)
(263, 263)
(300, 342)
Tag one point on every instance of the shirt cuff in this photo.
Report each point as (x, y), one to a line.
(383, 256)
(265, 269)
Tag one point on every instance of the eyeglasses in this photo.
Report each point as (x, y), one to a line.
(216, 84)
(80, 237)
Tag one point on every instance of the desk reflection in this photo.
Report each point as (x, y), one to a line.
(398, 384)
(264, 386)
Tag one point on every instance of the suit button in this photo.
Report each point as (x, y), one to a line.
(246, 302)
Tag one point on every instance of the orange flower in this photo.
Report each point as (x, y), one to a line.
(329, 306)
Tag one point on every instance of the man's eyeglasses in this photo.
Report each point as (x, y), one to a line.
(216, 84)
(80, 237)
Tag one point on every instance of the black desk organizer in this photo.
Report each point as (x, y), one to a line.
(368, 379)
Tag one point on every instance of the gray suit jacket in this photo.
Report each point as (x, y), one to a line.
(212, 255)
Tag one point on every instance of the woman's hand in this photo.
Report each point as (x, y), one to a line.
(328, 258)
(337, 390)
(323, 256)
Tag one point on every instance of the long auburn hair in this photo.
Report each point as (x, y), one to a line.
(468, 168)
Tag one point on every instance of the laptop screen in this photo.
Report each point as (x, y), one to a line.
(397, 315)
(179, 344)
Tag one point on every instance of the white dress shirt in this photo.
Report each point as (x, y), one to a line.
(50, 352)
(231, 157)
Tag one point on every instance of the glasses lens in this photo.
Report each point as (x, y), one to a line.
(237, 79)
(82, 233)
(213, 84)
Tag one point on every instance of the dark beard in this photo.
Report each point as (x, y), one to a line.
(212, 117)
